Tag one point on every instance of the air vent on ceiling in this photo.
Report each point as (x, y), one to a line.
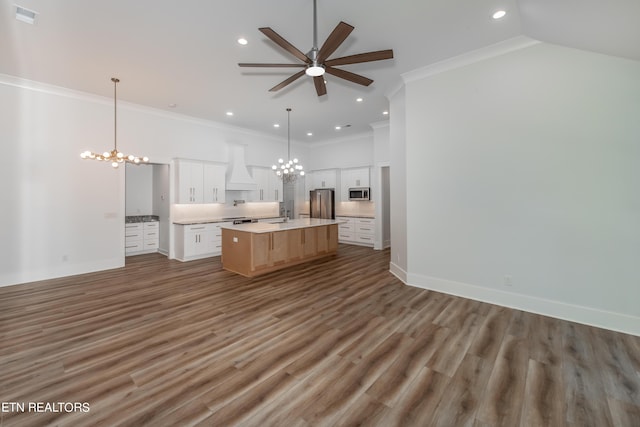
(25, 15)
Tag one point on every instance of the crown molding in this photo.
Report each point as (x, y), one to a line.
(49, 89)
(491, 51)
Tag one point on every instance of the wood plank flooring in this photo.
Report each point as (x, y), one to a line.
(334, 342)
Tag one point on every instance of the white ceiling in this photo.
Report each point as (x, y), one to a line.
(185, 52)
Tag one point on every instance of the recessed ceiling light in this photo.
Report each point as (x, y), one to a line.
(338, 127)
(309, 133)
(242, 41)
(499, 14)
(25, 15)
(229, 113)
(385, 113)
(276, 125)
(359, 99)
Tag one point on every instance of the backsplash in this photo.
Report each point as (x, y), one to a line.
(356, 208)
(198, 212)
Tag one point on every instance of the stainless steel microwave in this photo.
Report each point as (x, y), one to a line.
(359, 193)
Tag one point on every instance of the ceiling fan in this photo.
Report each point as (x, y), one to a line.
(316, 62)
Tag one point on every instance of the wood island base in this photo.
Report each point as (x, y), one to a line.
(259, 250)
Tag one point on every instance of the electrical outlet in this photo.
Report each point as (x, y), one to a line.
(508, 280)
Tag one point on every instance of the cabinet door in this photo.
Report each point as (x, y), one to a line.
(332, 238)
(324, 179)
(260, 175)
(309, 242)
(346, 182)
(214, 182)
(279, 247)
(295, 242)
(261, 245)
(321, 239)
(360, 177)
(275, 188)
(190, 181)
(195, 243)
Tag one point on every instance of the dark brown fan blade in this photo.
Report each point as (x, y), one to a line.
(335, 39)
(347, 75)
(378, 55)
(321, 88)
(247, 64)
(277, 38)
(291, 79)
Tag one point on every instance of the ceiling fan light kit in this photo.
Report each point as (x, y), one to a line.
(316, 62)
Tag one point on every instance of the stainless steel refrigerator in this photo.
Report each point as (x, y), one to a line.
(322, 203)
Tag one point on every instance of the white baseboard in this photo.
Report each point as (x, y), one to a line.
(62, 270)
(398, 272)
(574, 313)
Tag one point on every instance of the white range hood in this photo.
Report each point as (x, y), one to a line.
(238, 178)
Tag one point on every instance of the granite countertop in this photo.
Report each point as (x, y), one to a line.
(265, 227)
(141, 218)
(226, 219)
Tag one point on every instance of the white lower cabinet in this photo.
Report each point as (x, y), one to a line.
(360, 231)
(133, 237)
(365, 230)
(199, 240)
(151, 236)
(141, 237)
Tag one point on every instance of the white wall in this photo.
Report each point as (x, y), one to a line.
(341, 153)
(526, 165)
(63, 215)
(138, 189)
(398, 183)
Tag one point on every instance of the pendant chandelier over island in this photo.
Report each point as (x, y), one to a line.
(290, 170)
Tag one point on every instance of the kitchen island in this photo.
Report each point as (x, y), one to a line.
(256, 248)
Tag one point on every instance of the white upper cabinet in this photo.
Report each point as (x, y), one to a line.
(269, 185)
(324, 179)
(350, 178)
(214, 183)
(190, 179)
(200, 182)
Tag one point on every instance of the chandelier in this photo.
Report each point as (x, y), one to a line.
(114, 156)
(290, 170)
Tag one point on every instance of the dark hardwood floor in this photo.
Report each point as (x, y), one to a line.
(334, 342)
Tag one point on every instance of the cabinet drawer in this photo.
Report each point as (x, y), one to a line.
(346, 236)
(363, 238)
(347, 228)
(150, 245)
(150, 234)
(133, 247)
(153, 225)
(133, 227)
(364, 229)
(133, 236)
(366, 221)
(198, 228)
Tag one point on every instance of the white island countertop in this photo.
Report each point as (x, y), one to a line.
(292, 224)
